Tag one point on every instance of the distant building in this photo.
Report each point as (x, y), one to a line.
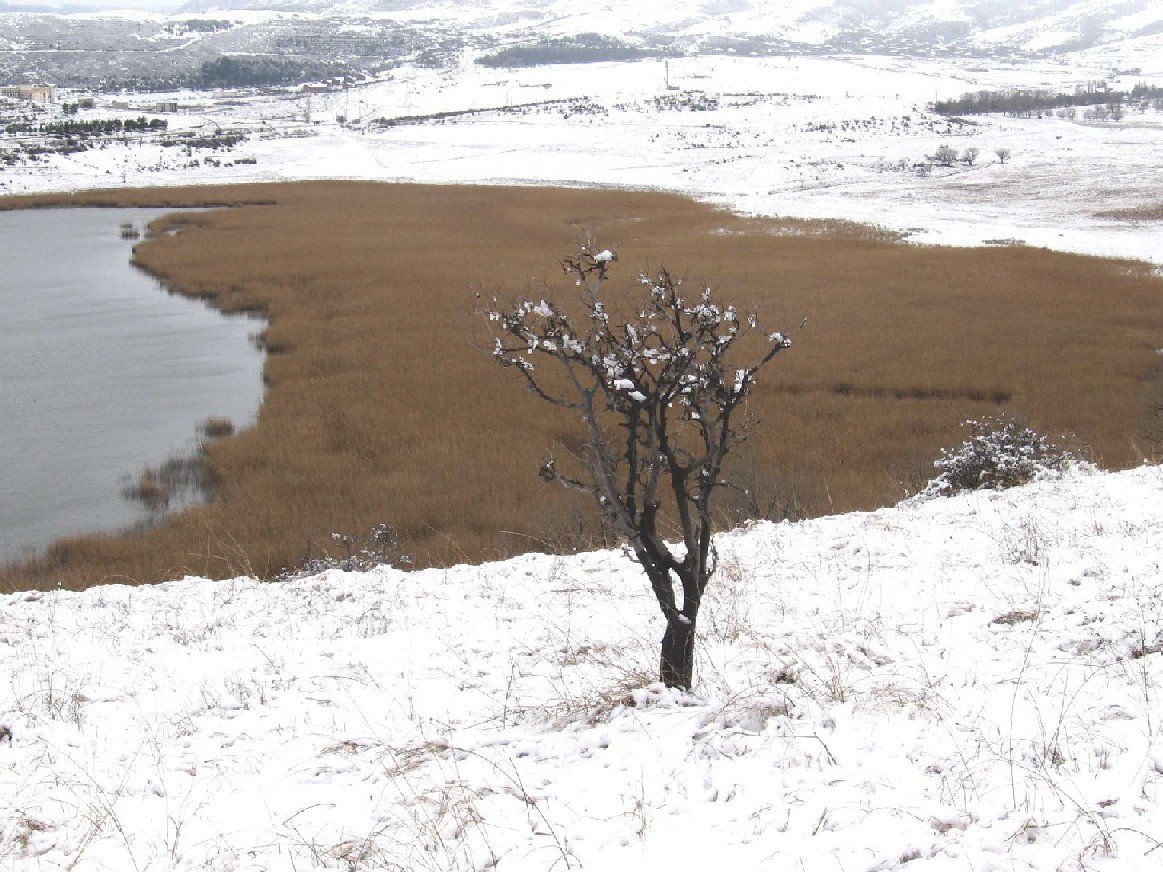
(32, 93)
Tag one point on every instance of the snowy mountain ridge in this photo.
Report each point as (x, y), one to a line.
(983, 24)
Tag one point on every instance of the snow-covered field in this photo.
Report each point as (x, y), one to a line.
(961, 684)
(826, 137)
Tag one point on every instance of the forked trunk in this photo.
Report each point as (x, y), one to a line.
(677, 666)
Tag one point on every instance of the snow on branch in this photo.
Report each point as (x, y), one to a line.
(669, 372)
(671, 350)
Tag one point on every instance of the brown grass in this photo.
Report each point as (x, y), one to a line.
(216, 428)
(1139, 213)
(382, 407)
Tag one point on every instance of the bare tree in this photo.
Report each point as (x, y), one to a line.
(657, 394)
(970, 155)
(1003, 154)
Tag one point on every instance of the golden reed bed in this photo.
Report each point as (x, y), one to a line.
(382, 406)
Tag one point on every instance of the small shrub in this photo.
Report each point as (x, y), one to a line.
(997, 455)
(216, 428)
(178, 482)
(381, 547)
(1018, 616)
(1024, 542)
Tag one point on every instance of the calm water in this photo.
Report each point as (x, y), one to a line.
(102, 373)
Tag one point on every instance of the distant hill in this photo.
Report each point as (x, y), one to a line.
(150, 50)
(909, 26)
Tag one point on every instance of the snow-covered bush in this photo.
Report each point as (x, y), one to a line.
(998, 454)
(381, 547)
(946, 156)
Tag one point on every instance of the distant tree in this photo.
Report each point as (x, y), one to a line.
(945, 155)
(970, 155)
(657, 395)
(1003, 154)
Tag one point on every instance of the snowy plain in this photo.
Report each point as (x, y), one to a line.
(967, 683)
(809, 137)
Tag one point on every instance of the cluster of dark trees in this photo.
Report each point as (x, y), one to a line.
(225, 141)
(198, 25)
(585, 48)
(1143, 91)
(236, 71)
(239, 71)
(1028, 103)
(97, 127)
(262, 72)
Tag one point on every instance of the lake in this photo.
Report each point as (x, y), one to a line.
(102, 373)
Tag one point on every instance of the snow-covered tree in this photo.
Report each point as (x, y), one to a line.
(657, 393)
(945, 155)
(1003, 154)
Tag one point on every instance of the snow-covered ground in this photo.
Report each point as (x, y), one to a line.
(960, 684)
(809, 137)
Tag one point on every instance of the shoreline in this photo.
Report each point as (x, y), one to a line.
(953, 234)
(114, 379)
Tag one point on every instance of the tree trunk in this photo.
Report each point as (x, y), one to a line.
(677, 666)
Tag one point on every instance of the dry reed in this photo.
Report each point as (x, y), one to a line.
(382, 406)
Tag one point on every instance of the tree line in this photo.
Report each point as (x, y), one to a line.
(1026, 103)
(584, 48)
(96, 127)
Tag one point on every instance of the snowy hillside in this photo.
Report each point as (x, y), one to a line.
(963, 684)
(812, 109)
(984, 24)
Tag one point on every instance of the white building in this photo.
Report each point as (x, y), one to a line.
(32, 93)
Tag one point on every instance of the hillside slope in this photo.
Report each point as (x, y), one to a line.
(969, 683)
(1064, 25)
